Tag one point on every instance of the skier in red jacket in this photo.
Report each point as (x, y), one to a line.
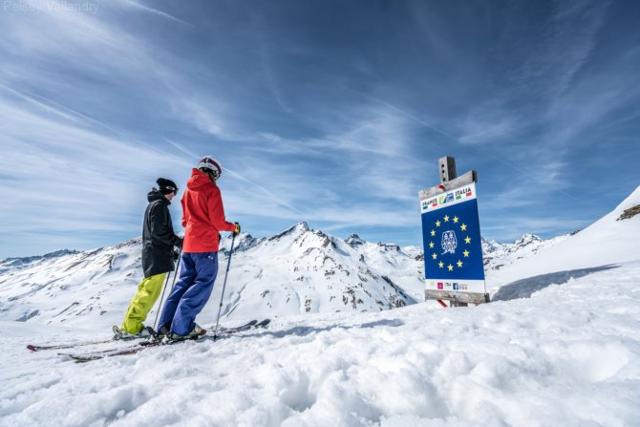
(203, 219)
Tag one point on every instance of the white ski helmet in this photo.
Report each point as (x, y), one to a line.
(208, 162)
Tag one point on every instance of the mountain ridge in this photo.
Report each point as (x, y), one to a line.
(296, 271)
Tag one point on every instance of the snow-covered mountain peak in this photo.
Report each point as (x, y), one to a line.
(354, 241)
(243, 242)
(389, 246)
(301, 239)
(295, 231)
(301, 227)
(526, 240)
(490, 246)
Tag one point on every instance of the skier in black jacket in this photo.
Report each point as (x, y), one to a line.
(158, 257)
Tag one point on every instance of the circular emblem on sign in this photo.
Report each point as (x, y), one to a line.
(449, 242)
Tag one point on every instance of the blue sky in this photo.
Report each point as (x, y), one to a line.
(329, 112)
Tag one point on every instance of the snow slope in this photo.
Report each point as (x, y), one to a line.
(608, 241)
(561, 347)
(565, 357)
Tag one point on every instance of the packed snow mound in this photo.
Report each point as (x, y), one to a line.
(604, 243)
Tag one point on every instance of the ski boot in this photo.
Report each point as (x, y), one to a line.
(121, 334)
(195, 333)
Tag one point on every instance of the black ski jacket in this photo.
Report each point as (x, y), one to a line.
(158, 238)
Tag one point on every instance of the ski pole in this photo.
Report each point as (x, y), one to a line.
(224, 285)
(175, 275)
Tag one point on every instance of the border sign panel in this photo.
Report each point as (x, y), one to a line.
(454, 267)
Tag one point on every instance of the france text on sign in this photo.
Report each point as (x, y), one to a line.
(451, 238)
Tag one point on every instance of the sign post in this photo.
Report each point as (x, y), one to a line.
(453, 262)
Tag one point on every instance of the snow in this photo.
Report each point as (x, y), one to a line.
(567, 356)
(561, 346)
(605, 242)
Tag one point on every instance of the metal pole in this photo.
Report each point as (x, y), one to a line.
(224, 285)
(175, 275)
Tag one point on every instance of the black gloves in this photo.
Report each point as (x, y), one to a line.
(237, 230)
(178, 242)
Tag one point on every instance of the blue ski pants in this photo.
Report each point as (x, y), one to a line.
(198, 271)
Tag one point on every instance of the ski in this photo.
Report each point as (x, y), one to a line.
(63, 346)
(102, 354)
(246, 326)
(254, 324)
(96, 355)
(34, 347)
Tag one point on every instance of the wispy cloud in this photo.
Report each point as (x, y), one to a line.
(64, 179)
(269, 74)
(145, 8)
(56, 108)
(341, 129)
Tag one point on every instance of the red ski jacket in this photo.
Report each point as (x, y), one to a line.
(202, 214)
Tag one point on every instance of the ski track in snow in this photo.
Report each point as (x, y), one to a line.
(569, 355)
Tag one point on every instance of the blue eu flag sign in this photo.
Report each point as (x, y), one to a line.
(451, 238)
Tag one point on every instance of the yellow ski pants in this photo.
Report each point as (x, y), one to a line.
(141, 304)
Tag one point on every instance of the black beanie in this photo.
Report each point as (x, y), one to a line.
(166, 186)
